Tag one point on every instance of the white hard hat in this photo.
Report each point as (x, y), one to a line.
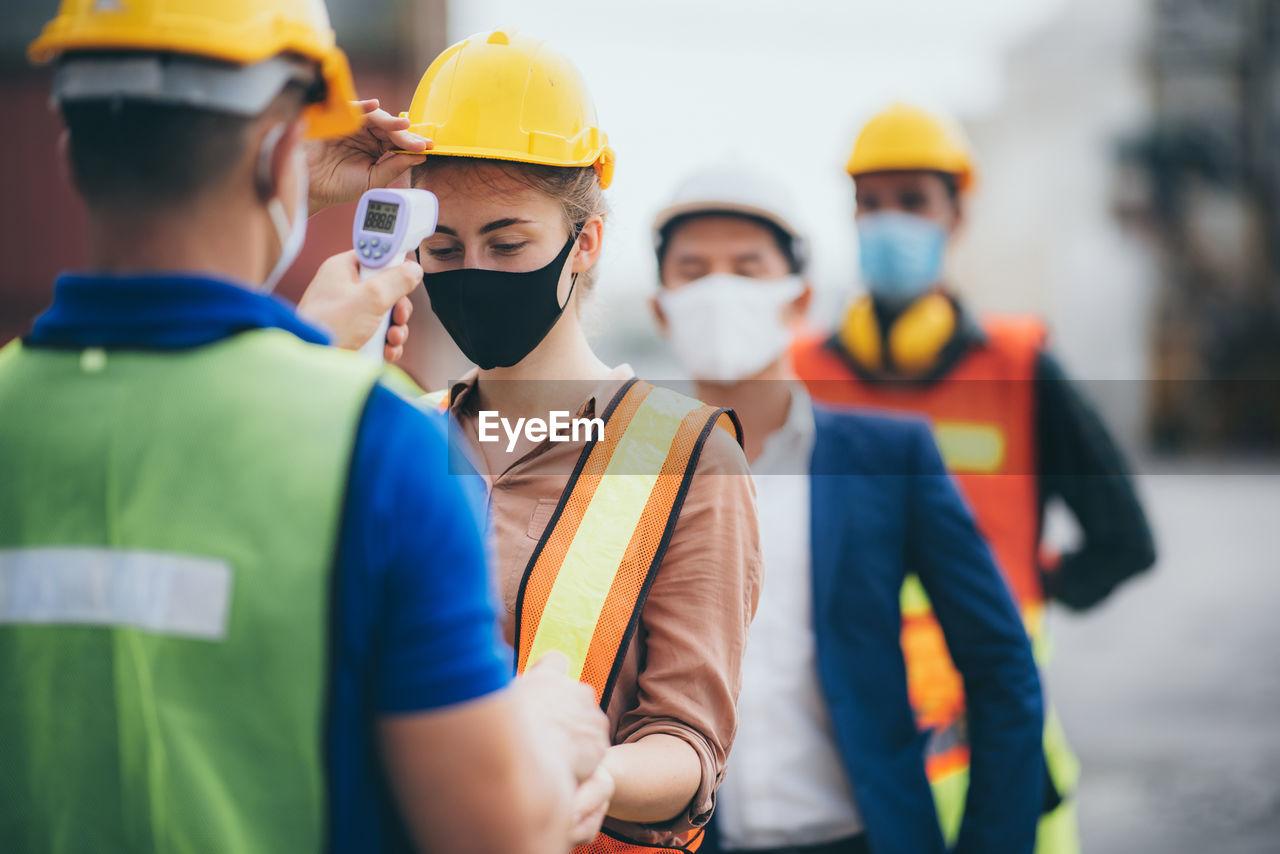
(734, 190)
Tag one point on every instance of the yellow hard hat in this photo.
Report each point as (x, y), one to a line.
(241, 32)
(904, 137)
(508, 96)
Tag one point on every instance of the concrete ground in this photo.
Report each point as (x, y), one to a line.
(1170, 692)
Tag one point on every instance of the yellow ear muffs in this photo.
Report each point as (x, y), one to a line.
(920, 333)
(915, 339)
(860, 334)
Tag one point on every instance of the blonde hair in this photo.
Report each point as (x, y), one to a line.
(575, 188)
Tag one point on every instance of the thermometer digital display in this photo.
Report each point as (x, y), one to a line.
(387, 225)
(381, 216)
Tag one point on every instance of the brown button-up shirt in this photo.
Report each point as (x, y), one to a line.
(682, 671)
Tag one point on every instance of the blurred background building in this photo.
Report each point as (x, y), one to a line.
(1207, 176)
(1040, 238)
(1129, 192)
(1130, 186)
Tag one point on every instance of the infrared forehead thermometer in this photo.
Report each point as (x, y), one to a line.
(388, 224)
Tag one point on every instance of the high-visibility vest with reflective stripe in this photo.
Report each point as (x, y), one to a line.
(587, 579)
(983, 416)
(168, 523)
(607, 842)
(586, 582)
(590, 573)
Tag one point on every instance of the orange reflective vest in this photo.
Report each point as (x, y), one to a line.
(983, 415)
(589, 575)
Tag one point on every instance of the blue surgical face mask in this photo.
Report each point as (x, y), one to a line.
(901, 254)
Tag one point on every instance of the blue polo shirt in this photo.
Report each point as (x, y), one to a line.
(414, 625)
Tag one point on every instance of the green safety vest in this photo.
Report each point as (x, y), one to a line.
(168, 525)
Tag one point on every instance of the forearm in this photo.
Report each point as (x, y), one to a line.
(1115, 539)
(540, 799)
(655, 778)
(544, 803)
(1086, 576)
(1080, 464)
(449, 769)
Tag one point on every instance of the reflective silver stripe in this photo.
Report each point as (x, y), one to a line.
(169, 594)
(955, 734)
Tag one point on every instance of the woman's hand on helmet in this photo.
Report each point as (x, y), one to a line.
(342, 169)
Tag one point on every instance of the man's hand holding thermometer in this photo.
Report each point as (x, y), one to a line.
(356, 294)
(388, 224)
(340, 170)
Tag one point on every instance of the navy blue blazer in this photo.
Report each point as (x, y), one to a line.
(883, 506)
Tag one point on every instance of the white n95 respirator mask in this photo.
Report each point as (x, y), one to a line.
(725, 328)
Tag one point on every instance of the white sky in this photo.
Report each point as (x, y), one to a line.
(681, 83)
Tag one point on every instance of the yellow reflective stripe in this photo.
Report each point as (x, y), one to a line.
(915, 602)
(968, 446)
(401, 383)
(1060, 759)
(435, 400)
(1041, 640)
(573, 608)
(949, 795)
(1057, 831)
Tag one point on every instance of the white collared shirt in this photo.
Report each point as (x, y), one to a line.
(785, 783)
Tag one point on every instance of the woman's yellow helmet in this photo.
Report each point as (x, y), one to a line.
(507, 96)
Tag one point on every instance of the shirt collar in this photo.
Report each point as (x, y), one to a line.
(159, 311)
(461, 390)
(786, 450)
(799, 424)
(462, 400)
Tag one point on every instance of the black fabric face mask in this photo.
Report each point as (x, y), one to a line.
(497, 317)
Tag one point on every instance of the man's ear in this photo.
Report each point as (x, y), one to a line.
(798, 308)
(276, 147)
(658, 316)
(958, 216)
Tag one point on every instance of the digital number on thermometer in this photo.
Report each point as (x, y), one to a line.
(388, 224)
(381, 216)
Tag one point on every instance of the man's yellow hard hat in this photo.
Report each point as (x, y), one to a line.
(904, 137)
(507, 96)
(240, 32)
